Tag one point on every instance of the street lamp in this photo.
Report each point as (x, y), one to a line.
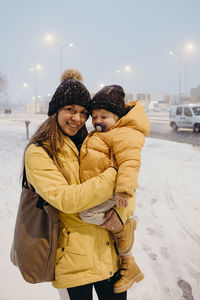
(190, 47)
(101, 85)
(126, 69)
(25, 85)
(34, 71)
(50, 39)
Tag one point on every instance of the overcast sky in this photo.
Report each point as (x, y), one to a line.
(107, 35)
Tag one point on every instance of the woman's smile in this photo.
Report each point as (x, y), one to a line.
(71, 118)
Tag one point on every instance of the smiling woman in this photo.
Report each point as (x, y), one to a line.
(51, 162)
(71, 118)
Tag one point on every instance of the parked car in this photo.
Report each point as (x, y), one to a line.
(7, 111)
(154, 106)
(185, 116)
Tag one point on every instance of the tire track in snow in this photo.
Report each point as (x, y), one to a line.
(179, 216)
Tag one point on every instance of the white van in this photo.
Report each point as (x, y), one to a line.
(185, 116)
(154, 106)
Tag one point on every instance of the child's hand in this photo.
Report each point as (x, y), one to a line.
(121, 200)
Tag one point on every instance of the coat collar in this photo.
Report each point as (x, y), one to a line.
(68, 142)
(136, 118)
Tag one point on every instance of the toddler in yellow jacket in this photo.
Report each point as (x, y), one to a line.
(122, 129)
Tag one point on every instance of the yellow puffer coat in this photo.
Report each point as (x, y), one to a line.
(126, 138)
(86, 252)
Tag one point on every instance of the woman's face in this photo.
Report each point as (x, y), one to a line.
(71, 118)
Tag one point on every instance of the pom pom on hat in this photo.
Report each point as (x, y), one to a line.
(71, 74)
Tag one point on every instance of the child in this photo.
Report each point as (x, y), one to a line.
(122, 129)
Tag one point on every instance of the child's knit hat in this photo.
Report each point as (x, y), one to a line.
(110, 98)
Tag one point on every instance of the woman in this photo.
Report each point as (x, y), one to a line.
(82, 261)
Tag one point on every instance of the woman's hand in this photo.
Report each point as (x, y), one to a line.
(121, 200)
(112, 221)
(112, 160)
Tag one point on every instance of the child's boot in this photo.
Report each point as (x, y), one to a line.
(125, 238)
(129, 273)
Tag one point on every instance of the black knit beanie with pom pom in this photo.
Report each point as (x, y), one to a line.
(70, 91)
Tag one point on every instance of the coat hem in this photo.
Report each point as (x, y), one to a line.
(63, 285)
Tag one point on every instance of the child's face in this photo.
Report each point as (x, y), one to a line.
(105, 117)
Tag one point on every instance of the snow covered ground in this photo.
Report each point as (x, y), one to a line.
(167, 246)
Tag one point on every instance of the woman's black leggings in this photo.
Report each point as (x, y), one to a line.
(104, 290)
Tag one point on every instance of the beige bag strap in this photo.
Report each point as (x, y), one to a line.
(25, 184)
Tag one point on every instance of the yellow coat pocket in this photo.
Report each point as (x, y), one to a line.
(75, 251)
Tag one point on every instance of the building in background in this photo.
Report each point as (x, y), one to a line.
(129, 97)
(33, 107)
(45, 105)
(195, 94)
(38, 107)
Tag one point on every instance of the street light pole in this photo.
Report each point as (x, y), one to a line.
(35, 83)
(34, 70)
(179, 76)
(61, 54)
(51, 39)
(179, 54)
(122, 72)
(61, 67)
(188, 47)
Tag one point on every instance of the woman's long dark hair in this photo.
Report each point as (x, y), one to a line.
(49, 136)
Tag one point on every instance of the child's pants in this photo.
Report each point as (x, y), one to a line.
(95, 215)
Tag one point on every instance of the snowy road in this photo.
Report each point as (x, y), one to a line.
(167, 246)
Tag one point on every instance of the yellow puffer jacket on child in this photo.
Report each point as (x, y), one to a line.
(126, 138)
